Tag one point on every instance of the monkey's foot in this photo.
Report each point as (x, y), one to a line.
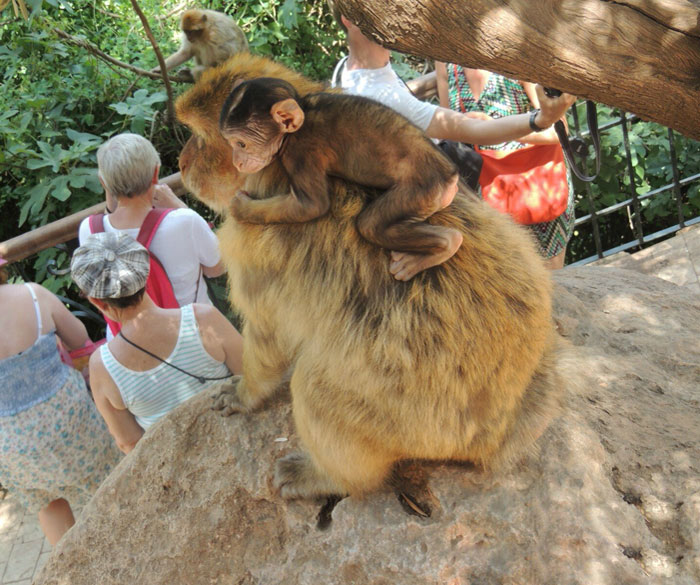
(225, 398)
(297, 477)
(405, 265)
(413, 506)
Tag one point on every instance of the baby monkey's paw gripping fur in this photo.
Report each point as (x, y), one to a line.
(226, 397)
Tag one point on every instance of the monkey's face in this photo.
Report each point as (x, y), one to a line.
(193, 35)
(207, 171)
(252, 153)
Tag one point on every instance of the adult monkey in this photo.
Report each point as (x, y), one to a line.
(210, 37)
(462, 362)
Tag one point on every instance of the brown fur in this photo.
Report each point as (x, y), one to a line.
(205, 161)
(350, 137)
(460, 363)
(210, 37)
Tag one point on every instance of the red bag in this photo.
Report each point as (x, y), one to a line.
(79, 358)
(529, 183)
(158, 285)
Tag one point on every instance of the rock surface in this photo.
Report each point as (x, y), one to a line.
(612, 496)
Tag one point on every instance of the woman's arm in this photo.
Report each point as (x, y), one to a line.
(163, 196)
(69, 328)
(121, 423)
(220, 338)
(213, 271)
(549, 136)
(442, 85)
(451, 125)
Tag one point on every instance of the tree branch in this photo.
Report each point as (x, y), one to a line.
(95, 51)
(178, 8)
(161, 61)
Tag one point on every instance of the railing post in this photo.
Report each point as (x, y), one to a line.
(595, 227)
(637, 219)
(676, 178)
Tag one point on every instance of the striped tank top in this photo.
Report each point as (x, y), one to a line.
(151, 394)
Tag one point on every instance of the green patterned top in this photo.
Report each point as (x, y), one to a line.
(500, 97)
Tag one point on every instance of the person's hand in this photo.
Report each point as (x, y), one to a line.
(552, 108)
(478, 115)
(163, 196)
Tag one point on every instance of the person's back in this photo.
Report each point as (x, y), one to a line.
(55, 449)
(128, 167)
(150, 388)
(384, 85)
(183, 243)
(161, 357)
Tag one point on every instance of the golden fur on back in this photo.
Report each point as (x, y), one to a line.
(462, 362)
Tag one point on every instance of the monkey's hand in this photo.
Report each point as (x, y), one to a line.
(226, 398)
(187, 75)
(241, 207)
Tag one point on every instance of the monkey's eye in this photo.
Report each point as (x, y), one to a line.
(240, 144)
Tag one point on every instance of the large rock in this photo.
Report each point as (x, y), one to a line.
(611, 497)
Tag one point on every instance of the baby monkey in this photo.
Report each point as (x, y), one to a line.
(353, 138)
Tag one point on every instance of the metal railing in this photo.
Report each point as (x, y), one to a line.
(632, 205)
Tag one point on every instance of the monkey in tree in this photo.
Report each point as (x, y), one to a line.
(210, 37)
(352, 138)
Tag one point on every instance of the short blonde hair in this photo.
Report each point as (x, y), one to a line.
(126, 163)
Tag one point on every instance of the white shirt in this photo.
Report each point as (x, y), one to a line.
(182, 242)
(387, 88)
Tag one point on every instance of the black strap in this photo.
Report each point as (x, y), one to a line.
(560, 129)
(200, 379)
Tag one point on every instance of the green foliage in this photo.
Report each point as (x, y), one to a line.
(139, 108)
(652, 170)
(60, 102)
(300, 34)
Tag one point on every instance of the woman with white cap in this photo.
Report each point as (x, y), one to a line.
(161, 357)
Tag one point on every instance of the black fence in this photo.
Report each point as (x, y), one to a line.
(639, 233)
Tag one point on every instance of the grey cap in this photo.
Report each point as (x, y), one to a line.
(110, 265)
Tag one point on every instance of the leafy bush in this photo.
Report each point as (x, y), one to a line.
(651, 170)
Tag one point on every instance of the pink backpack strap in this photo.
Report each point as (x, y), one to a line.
(97, 223)
(150, 225)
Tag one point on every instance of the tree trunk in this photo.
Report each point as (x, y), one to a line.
(640, 55)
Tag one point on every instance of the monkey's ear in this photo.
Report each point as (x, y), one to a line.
(288, 115)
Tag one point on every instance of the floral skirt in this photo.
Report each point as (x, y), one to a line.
(59, 448)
